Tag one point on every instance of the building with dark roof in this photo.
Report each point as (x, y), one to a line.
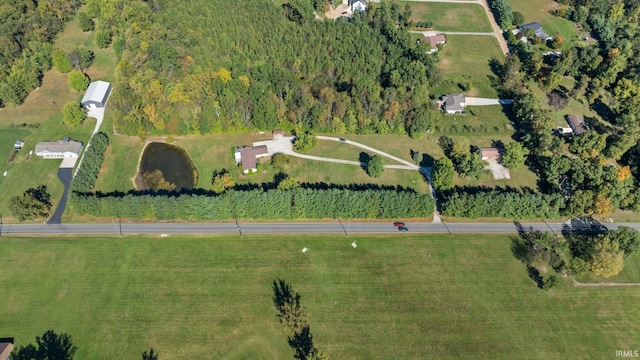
(537, 30)
(249, 157)
(576, 122)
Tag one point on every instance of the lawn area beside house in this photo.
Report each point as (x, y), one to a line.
(477, 120)
(402, 296)
(39, 119)
(450, 16)
(465, 59)
(521, 177)
(541, 11)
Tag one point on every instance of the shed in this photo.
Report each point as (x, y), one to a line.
(576, 122)
(18, 145)
(357, 5)
(490, 153)
(454, 103)
(59, 149)
(6, 345)
(97, 95)
(249, 157)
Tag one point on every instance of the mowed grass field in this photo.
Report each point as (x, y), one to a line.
(394, 297)
(450, 16)
(467, 58)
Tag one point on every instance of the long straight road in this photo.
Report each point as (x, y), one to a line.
(335, 227)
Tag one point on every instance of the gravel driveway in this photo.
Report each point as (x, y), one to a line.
(498, 171)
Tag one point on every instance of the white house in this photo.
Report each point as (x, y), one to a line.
(357, 5)
(97, 95)
(59, 149)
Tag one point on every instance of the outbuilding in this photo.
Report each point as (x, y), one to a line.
(18, 144)
(97, 95)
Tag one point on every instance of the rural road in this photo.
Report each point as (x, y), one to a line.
(497, 33)
(335, 227)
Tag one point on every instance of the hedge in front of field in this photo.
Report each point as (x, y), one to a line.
(272, 204)
(503, 204)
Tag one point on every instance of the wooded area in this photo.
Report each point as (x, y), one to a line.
(218, 66)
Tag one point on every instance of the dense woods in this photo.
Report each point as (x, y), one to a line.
(219, 66)
(27, 30)
(504, 204)
(299, 203)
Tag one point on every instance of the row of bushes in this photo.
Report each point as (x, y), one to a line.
(258, 204)
(88, 171)
(508, 205)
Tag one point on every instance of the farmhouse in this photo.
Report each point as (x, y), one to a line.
(97, 95)
(433, 41)
(490, 153)
(537, 30)
(59, 149)
(576, 122)
(453, 103)
(6, 345)
(248, 157)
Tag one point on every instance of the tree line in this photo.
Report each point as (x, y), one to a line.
(87, 173)
(273, 204)
(218, 66)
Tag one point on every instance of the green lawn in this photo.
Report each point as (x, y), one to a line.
(465, 59)
(451, 17)
(41, 115)
(541, 11)
(477, 120)
(394, 297)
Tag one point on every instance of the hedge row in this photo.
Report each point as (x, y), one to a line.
(508, 205)
(88, 171)
(258, 204)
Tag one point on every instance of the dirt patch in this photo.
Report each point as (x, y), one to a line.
(498, 171)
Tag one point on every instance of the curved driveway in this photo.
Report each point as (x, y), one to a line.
(408, 165)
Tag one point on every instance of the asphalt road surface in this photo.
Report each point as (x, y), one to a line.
(65, 175)
(342, 227)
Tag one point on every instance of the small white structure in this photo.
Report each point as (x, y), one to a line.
(304, 250)
(357, 5)
(354, 245)
(97, 95)
(18, 145)
(59, 149)
(5, 173)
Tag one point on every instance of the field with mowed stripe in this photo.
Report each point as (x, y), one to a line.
(393, 297)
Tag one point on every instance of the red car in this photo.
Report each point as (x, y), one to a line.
(398, 224)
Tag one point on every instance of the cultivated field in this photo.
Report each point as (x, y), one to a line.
(404, 296)
(451, 17)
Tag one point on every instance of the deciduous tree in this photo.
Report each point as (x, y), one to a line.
(514, 155)
(50, 346)
(78, 80)
(73, 114)
(32, 204)
(375, 166)
(607, 259)
(443, 172)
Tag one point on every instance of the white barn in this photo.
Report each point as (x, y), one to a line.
(97, 95)
(59, 149)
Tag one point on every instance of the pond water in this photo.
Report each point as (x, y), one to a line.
(176, 166)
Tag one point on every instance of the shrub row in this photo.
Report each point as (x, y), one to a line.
(88, 171)
(508, 205)
(258, 204)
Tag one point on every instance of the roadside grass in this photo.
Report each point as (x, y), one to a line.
(540, 11)
(401, 296)
(41, 114)
(630, 273)
(450, 16)
(465, 59)
(520, 178)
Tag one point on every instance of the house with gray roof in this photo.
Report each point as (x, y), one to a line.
(576, 122)
(96, 95)
(453, 103)
(537, 30)
(59, 149)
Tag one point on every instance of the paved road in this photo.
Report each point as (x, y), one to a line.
(335, 227)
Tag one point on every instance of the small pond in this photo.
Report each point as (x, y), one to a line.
(176, 166)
